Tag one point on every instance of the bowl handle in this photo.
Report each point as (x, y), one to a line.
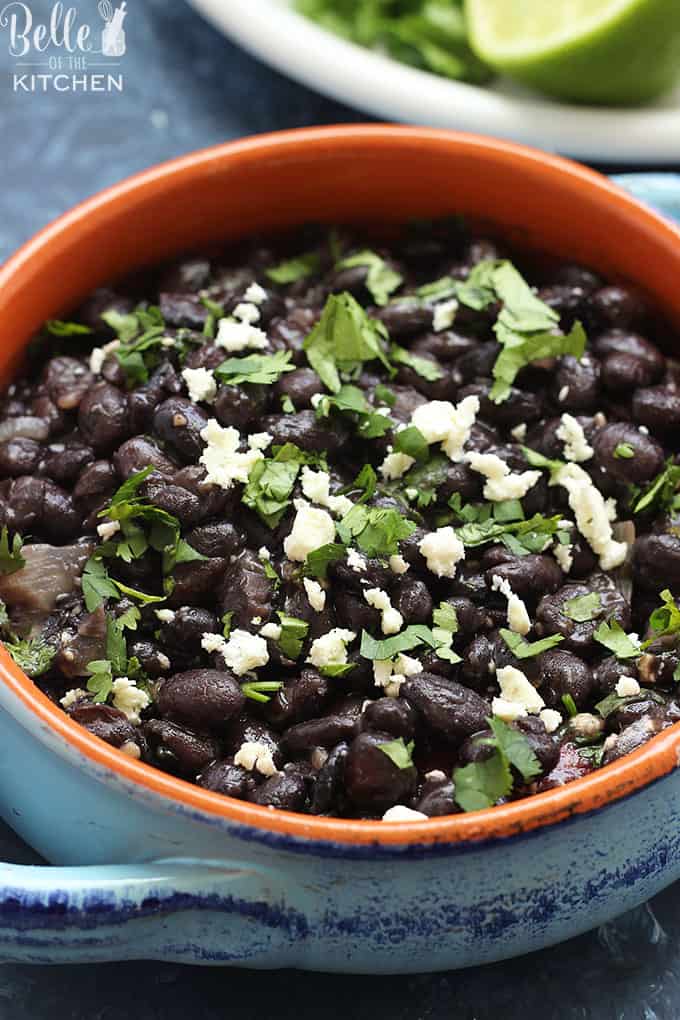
(188, 910)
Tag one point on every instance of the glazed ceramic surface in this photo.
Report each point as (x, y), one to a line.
(150, 866)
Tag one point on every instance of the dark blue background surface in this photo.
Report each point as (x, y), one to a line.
(186, 87)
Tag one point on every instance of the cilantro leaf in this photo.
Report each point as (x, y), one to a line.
(439, 290)
(385, 395)
(336, 669)
(376, 530)
(259, 690)
(381, 280)
(4, 616)
(661, 493)
(97, 586)
(344, 337)
(446, 617)
(271, 482)
(351, 400)
(33, 655)
(293, 634)
(523, 649)
(516, 748)
(613, 636)
(58, 328)
(412, 636)
(412, 442)
(101, 679)
(425, 479)
(11, 559)
(366, 480)
(570, 705)
(297, 268)
(265, 369)
(583, 607)
(613, 702)
(317, 562)
(423, 367)
(399, 752)
(521, 537)
(537, 460)
(624, 451)
(482, 784)
(665, 620)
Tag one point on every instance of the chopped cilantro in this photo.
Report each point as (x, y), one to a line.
(97, 586)
(287, 405)
(58, 328)
(261, 690)
(412, 442)
(482, 784)
(376, 530)
(366, 480)
(446, 617)
(613, 636)
(661, 493)
(624, 451)
(438, 290)
(665, 620)
(336, 669)
(4, 617)
(583, 607)
(293, 634)
(141, 334)
(412, 636)
(297, 268)
(423, 367)
(613, 702)
(264, 369)
(34, 655)
(399, 752)
(523, 649)
(11, 559)
(351, 400)
(317, 562)
(381, 280)
(270, 573)
(271, 482)
(344, 337)
(520, 537)
(507, 510)
(425, 479)
(516, 748)
(537, 460)
(594, 754)
(385, 395)
(570, 705)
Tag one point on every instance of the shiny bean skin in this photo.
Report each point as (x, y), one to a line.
(63, 462)
(616, 307)
(285, 791)
(405, 318)
(648, 455)
(178, 750)
(237, 406)
(195, 583)
(438, 798)
(634, 736)
(391, 715)
(67, 381)
(103, 417)
(19, 456)
(202, 699)
(95, 483)
(181, 636)
(246, 591)
(413, 600)
(621, 372)
(138, 453)
(183, 310)
(447, 707)
(329, 786)
(576, 387)
(372, 780)
(179, 422)
(105, 722)
(299, 386)
(563, 673)
(326, 731)
(528, 576)
(545, 748)
(228, 779)
(306, 431)
(619, 341)
(655, 553)
(657, 407)
(578, 637)
(299, 699)
(217, 538)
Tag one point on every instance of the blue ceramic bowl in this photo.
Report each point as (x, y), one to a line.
(151, 867)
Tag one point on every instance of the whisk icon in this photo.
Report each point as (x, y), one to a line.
(113, 35)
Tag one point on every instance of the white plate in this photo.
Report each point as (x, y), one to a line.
(386, 88)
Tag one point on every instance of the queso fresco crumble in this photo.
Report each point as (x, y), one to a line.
(353, 526)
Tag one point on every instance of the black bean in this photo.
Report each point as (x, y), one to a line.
(95, 483)
(195, 583)
(657, 407)
(43, 407)
(239, 405)
(578, 637)
(391, 715)
(577, 276)
(244, 730)
(179, 423)
(326, 731)
(477, 362)
(413, 600)
(300, 386)
(445, 346)
(568, 300)
(61, 520)
(19, 456)
(218, 538)
(406, 400)
(203, 699)
(63, 462)
(354, 613)
(519, 407)
(373, 574)
(300, 698)
(67, 381)
(405, 317)
(565, 674)
(246, 591)
(177, 749)
(190, 274)
(656, 562)
(528, 576)
(634, 736)
(138, 453)
(307, 432)
(286, 791)
(616, 307)
(103, 417)
(619, 341)
(104, 299)
(329, 786)
(647, 455)
(372, 779)
(181, 636)
(447, 707)
(228, 779)
(107, 723)
(183, 310)
(175, 500)
(437, 798)
(622, 372)
(630, 712)
(576, 387)
(543, 745)
(213, 499)
(659, 668)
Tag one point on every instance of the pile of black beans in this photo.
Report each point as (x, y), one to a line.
(71, 434)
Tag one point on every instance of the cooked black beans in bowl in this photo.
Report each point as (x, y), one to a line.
(354, 526)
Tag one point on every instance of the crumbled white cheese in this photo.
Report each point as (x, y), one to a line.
(551, 719)
(200, 383)
(576, 446)
(246, 311)
(440, 422)
(391, 619)
(586, 725)
(163, 660)
(98, 355)
(401, 813)
(518, 617)
(264, 553)
(356, 561)
(444, 315)
(395, 465)
(72, 696)
(436, 776)
(519, 432)
(506, 710)
(592, 518)
(643, 430)
(501, 483)
(237, 336)
(260, 440)
(564, 554)
(411, 494)
(331, 648)
(610, 507)
(271, 630)
(221, 458)
(563, 394)
(131, 749)
(315, 594)
(442, 550)
(312, 528)
(129, 699)
(390, 674)
(107, 529)
(256, 294)
(254, 755)
(256, 620)
(398, 564)
(316, 487)
(244, 651)
(213, 643)
(165, 615)
(516, 688)
(627, 687)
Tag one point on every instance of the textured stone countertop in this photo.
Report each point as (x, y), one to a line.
(186, 87)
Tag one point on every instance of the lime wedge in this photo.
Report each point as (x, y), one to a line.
(590, 51)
